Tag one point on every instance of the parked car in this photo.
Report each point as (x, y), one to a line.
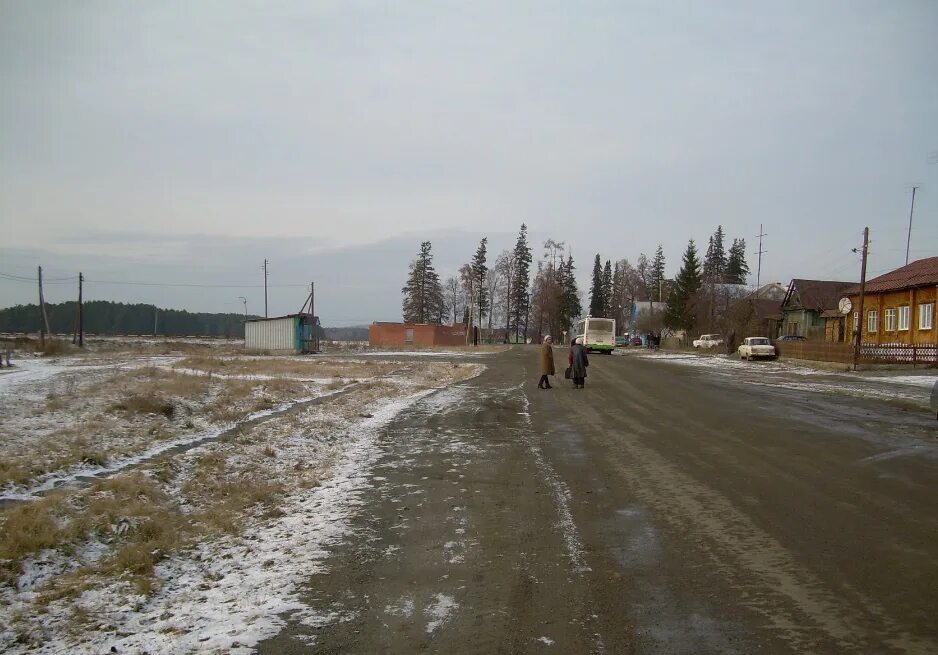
(708, 341)
(636, 341)
(622, 341)
(791, 337)
(755, 347)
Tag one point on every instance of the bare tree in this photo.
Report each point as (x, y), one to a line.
(454, 294)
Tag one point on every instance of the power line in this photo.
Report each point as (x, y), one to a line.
(62, 280)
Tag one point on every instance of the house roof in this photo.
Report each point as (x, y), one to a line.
(920, 273)
(817, 295)
(766, 307)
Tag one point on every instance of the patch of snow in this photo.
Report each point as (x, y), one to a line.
(238, 589)
(545, 640)
(439, 610)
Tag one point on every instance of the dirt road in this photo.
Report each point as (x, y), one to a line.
(663, 509)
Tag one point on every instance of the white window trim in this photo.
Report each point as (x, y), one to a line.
(921, 315)
(889, 320)
(903, 312)
(872, 321)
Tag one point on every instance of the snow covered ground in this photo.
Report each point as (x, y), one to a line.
(199, 549)
(914, 388)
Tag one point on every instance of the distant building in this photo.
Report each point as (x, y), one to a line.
(295, 333)
(899, 306)
(416, 334)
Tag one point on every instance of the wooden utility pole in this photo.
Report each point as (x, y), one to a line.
(44, 327)
(81, 312)
(859, 327)
(79, 317)
(909, 238)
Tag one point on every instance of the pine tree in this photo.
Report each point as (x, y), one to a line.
(714, 266)
(597, 302)
(423, 293)
(737, 270)
(520, 284)
(679, 314)
(479, 271)
(607, 290)
(657, 274)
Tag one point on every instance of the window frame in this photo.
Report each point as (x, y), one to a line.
(872, 321)
(931, 315)
(903, 312)
(890, 320)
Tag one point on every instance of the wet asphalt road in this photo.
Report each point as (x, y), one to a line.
(663, 509)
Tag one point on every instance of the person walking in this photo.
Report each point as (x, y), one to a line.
(578, 363)
(547, 363)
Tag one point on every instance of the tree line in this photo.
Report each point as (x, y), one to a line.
(106, 317)
(517, 296)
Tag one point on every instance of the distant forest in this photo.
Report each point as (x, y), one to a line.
(106, 317)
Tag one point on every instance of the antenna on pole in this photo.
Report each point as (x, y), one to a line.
(760, 253)
(909, 238)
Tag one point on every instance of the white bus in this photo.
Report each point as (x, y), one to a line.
(598, 334)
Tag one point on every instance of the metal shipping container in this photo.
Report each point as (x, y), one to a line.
(293, 333)
(273, 334)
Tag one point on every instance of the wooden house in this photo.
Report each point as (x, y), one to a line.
(899, 306)
(808, 307)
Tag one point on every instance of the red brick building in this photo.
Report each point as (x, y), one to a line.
(416, 334)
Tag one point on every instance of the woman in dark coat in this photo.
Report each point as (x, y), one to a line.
(547, 363)
(578, 363)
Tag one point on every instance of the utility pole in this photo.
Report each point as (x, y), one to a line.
(909, 238)
(859, 326)
(265, 288)
(760, 253)
(79, 318)
(44, 326)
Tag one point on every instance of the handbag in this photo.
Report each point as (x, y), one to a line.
(568, 373)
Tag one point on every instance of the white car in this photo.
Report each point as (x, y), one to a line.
(754, 347)
(708, 341)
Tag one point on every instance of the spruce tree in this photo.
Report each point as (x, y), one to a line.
(715, 263)
(479, 272)
(607, 290)
(521, 282)
(657, 274)
(570, 308)
(737, 270)
(423, 293)
(597, 302)
(679, 314)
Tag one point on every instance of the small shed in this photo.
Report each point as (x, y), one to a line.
(294, 333)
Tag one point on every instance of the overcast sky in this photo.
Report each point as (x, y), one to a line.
(182, 143)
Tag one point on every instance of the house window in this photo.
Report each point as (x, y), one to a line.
(889, 320)
(409, 336)
(872, 321)
(926, 315)
(856, 321)
(904, 317)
